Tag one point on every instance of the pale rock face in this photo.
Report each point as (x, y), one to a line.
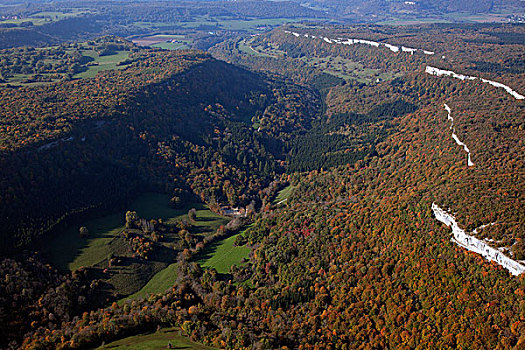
(53, 144)
(367, 42)
(475, 245)
(460, 237)
(344, 41)
(408, 49)
(508, 89)
(392, 48)
(440, 72)
(430, 70)
(455, 137)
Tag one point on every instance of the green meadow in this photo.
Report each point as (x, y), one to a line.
(172, 45)
(221, 22)
(221, 255)
(157, 284)
(283, 195)
(102, 63)
(44, 17)
(155, 341)
(68, 251)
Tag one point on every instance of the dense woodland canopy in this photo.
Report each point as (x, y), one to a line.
(353, 259)
(171, 121)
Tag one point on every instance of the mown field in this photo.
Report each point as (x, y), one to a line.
(210, 23)
(245, 47)
(165, 41)
(348, 69)
(283, 195)
(155, 341)
(222, 254)
(96, 64)
(102, 63)
(172, 45)
(157, 284)
(336, 66)
(68, 251)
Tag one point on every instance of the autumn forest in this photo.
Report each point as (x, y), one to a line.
(252, 176)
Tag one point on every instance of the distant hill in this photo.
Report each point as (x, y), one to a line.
(375, 10)
(49, 23)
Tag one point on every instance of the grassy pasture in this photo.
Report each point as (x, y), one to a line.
(404, 21)
(155, 341)
(221, 255)
(251, 24)
(103, 63)
(206, 223)
(20, 79)
(336, 66)
(170, 36)
(150, 40)
(283, 195)
(245, 46)
(172, 45)
(348, 69)
(99, 64)
(478, 18)
(40, 18)
(150, 25)
(135, 277)
(165, 41)
(158, 284)
(68, 251)
(333, 65)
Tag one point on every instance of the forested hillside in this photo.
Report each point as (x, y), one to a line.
(394, 65)
(178, 122)
(375, 136)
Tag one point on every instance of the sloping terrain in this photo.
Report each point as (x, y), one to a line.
(173, 122)
(359, 255)
(88, 144)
